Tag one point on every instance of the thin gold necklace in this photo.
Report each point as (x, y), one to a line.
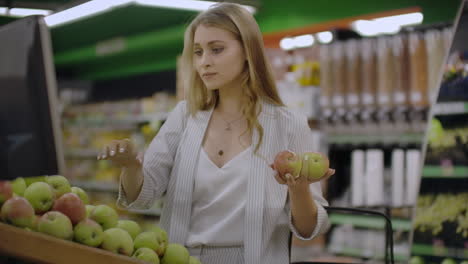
(228, 124)
(228, 128)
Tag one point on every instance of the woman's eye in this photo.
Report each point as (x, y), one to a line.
(217, 50)
(198, 52)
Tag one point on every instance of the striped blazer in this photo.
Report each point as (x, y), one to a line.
(170, 164)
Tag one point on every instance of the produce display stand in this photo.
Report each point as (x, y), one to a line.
(42, 248)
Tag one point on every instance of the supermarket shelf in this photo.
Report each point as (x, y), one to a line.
(443, 173)
(451, 108)
(408, 138)
(120, 122)
(429, 250)
(81, 153)
(368, 221)
(362, 253)
(96, 186)
(41, 248)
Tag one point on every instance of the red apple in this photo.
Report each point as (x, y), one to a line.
(314, 165)
(18, 212)
(72, 206)
(6, 191)
(287, 162)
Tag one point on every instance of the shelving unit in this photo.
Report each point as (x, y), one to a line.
(429, 250)
(445, 173)
(368, 221)
(452, 108)
(358, 139)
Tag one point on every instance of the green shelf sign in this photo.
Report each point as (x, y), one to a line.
(441, 172)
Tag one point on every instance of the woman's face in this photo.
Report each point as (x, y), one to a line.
(218, 57)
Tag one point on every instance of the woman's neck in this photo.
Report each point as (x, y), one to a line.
(230, 101)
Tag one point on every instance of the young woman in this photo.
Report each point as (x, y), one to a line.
(211, 158)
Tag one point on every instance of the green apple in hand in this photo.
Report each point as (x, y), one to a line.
(89, 233)
(18, 212)
(19, 186)
(146, 255)
(130, 226)
(175, 254)
(60, 184)
(41, 196)
(314, 165)
(81, 193)
(287, 162)
(6, 191)
(117, 241)
(55, 224)
(105, 216)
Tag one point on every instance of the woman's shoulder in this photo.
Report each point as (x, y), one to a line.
(286, 114)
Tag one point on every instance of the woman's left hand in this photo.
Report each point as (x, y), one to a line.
(302, 180)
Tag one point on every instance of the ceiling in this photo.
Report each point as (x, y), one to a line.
(134, 40)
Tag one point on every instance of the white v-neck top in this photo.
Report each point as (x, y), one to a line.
(219, 201)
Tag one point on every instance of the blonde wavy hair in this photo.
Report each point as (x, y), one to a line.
(257, 80)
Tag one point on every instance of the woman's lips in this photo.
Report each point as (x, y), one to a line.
(209, 75)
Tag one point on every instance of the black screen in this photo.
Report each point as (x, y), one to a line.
(29, 134)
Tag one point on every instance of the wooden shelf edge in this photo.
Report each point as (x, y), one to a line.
(41, 248)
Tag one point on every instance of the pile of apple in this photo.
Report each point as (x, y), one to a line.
(49, 205)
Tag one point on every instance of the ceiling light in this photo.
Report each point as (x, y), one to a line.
(287, 43)
(82, 11)
(184, 4)
(22, 12)
(94, 7)
(304, 41)
(386, 25)
(325, 37)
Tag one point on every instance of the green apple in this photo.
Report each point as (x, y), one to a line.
(105, 216)
(31, 180)
(60, 184)
(287, 162)
(194, 260)
(146, 255)
(162, 239)
(89, 209)
(89, 233)
(72, 206)
(150, 240)
(314, 165)
(448, 261)
(132, 227)
(55, 224)
(81, 193)
(19, 186)
(6, 191)
(41, 196)
(18, 212)
(117, 241)
(176, 254)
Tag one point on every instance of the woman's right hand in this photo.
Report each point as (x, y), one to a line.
(121, 152)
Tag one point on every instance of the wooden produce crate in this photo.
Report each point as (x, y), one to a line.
(42, 248)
